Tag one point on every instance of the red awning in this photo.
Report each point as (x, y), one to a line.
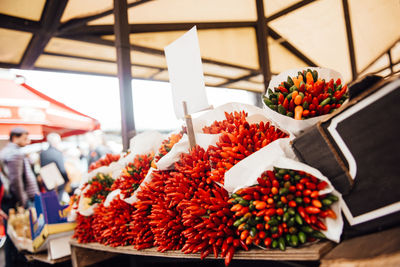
(21, 105)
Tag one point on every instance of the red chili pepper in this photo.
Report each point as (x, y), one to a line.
(321, 225)
(291, 105)
(281, 98)
(316, 203)
(312, 210)
(286, 104)
(314, 194)
(322, 185)
(292, 204)
(283, 89)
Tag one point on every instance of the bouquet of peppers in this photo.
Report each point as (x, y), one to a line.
(99, 187)
(283, 209)
(306, 96)
(133, 174)
(95, 191)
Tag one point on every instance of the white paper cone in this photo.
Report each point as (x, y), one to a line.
(288, 123)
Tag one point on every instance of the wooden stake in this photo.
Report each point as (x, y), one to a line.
(189, 126)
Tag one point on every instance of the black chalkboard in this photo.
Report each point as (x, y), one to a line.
(372, 136)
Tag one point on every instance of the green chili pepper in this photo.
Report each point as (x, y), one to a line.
(324, 102)
(307, 229)
(281, 243)
(294, 241)
(302, 237)
(298, 219)
(289, 80)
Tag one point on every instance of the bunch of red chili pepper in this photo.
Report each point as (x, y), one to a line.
(238, 140)
(173, 188)
(110, 225)
(306, 96)
(203, 206)
(133, 174)
(283, 209)
(209, 224)
(83, 230)
(104, 161)
(151, 192)
(99, 187)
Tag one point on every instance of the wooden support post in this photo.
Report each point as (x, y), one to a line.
(262, 44)
(189, 126)
(390, 61)
(121, 29)
(81, 257)
(350, 42)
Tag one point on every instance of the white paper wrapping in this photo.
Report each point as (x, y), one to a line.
(168, 160)
(83, 206)
(246, 172)
(110, 197)
(288, 123)
(146, 179)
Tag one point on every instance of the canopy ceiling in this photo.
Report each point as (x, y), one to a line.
(353, 37)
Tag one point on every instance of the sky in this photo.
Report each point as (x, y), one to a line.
(98, 97)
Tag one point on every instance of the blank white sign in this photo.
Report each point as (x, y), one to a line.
(186, 74)
(51, 176)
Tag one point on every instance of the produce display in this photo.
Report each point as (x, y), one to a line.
(306, 96)
(283, 209)
(187, 207)
(104, 161)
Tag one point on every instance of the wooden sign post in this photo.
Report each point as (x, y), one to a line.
(189, 126)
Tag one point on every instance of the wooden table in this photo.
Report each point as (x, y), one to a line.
(86, 254)
(43, 257)
(377, 249)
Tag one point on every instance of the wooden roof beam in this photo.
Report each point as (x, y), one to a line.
(99, 40)
(73, 23)
(49, 21)
(289, 9)
(156, 27)
(350, 42)
(262, 44)
(19, 24)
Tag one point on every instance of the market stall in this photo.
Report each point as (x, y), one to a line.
(237, 181)
(21, 105)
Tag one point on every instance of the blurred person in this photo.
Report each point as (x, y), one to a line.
(74, 168)
(97, 148)
(22, 184)
(54, 154)
(17, 168)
